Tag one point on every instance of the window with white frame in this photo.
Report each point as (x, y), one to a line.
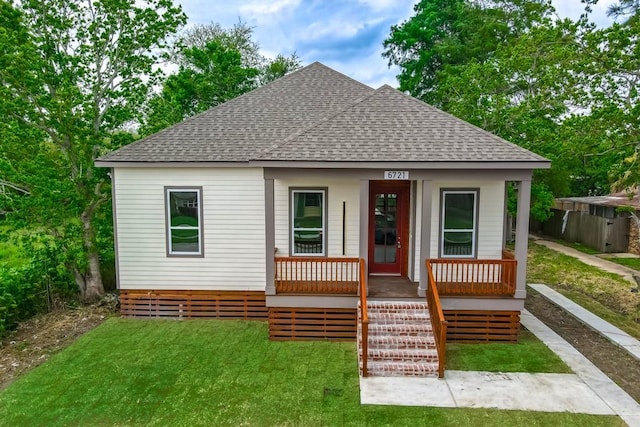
(184, 221)
(308, 219)
(459, 223)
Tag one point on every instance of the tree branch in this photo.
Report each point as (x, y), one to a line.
(13, 186)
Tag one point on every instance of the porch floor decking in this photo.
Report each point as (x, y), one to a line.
(392, 287)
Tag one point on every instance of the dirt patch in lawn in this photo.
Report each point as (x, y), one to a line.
(619, 365)
(37, 339)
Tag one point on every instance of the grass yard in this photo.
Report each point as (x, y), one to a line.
(605, 294)
(633, 263)
(163, 372)
(528, 355)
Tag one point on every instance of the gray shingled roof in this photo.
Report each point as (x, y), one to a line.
(317, 114)
(238, 130)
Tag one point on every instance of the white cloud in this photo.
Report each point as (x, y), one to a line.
(336, 29)
(344, 34)
(378, 5)
(574, 8)
(268, 7)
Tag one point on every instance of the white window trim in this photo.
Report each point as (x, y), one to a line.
(322, 230)
(474, 230)
(169, 227)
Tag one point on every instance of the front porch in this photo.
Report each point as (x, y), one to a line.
(342, 284)
(468, 278)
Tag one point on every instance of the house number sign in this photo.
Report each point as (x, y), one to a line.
(396, 174)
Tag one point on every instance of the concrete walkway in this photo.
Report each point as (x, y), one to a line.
(605, 389)
(606, 329)
(592, 260)
(587, 391)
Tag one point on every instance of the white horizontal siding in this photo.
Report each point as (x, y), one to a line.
(490, 218)
(233, 228)
(338, 191)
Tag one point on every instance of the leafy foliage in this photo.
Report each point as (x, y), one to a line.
(72, 75)
(212, 74)
(36, 285)
(561, 88)
(215, 66)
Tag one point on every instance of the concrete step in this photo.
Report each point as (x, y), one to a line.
(385, 312)
(406, 316)
(400, 329)
(394, 306)
(402, 369)
(401, 355)
(400, 342)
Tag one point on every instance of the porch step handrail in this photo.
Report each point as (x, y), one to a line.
(474, 277)
(364, 319)
(438, 321)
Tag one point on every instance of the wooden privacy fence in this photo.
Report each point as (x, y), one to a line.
(474, 277)
(438, 323)
(317, 275)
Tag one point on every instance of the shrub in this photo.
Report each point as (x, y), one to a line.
(34, 286)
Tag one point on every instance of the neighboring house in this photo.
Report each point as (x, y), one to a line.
(603, 223)
(280, 203)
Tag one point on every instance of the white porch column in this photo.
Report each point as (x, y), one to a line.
(425, 234)
(364, 224)
(270, 236)
(506, 229)
(522, 236)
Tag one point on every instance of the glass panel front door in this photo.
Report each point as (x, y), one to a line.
(386, 231)
(388, 227)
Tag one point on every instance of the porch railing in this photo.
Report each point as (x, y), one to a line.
(364, 317)
(313, 275)
(438, 322)
(474, 277)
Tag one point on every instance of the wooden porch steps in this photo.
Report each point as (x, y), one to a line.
(401, 341)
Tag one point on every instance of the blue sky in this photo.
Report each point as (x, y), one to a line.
(346, 35)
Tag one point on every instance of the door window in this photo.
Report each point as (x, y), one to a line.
(386, 229)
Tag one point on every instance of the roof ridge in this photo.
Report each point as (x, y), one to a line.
(235, 100)
(464, 122)
(317, 123)
(338, 72)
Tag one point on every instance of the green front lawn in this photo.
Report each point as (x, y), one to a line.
(605, 294)
(633, 263)
(168, 372)
(528, 355)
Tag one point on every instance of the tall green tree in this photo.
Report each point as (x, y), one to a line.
(488, 63)
(210, 75)
(215, 65)
(562, 88)
(443, 35)
(72, 75)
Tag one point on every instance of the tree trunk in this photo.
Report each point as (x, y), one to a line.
(93, 287)
(89, 282)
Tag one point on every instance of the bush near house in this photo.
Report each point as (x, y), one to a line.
(30, 285)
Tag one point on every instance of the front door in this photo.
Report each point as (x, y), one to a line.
(388, 227)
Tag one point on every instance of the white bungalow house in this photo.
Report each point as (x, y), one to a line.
(297, 201)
